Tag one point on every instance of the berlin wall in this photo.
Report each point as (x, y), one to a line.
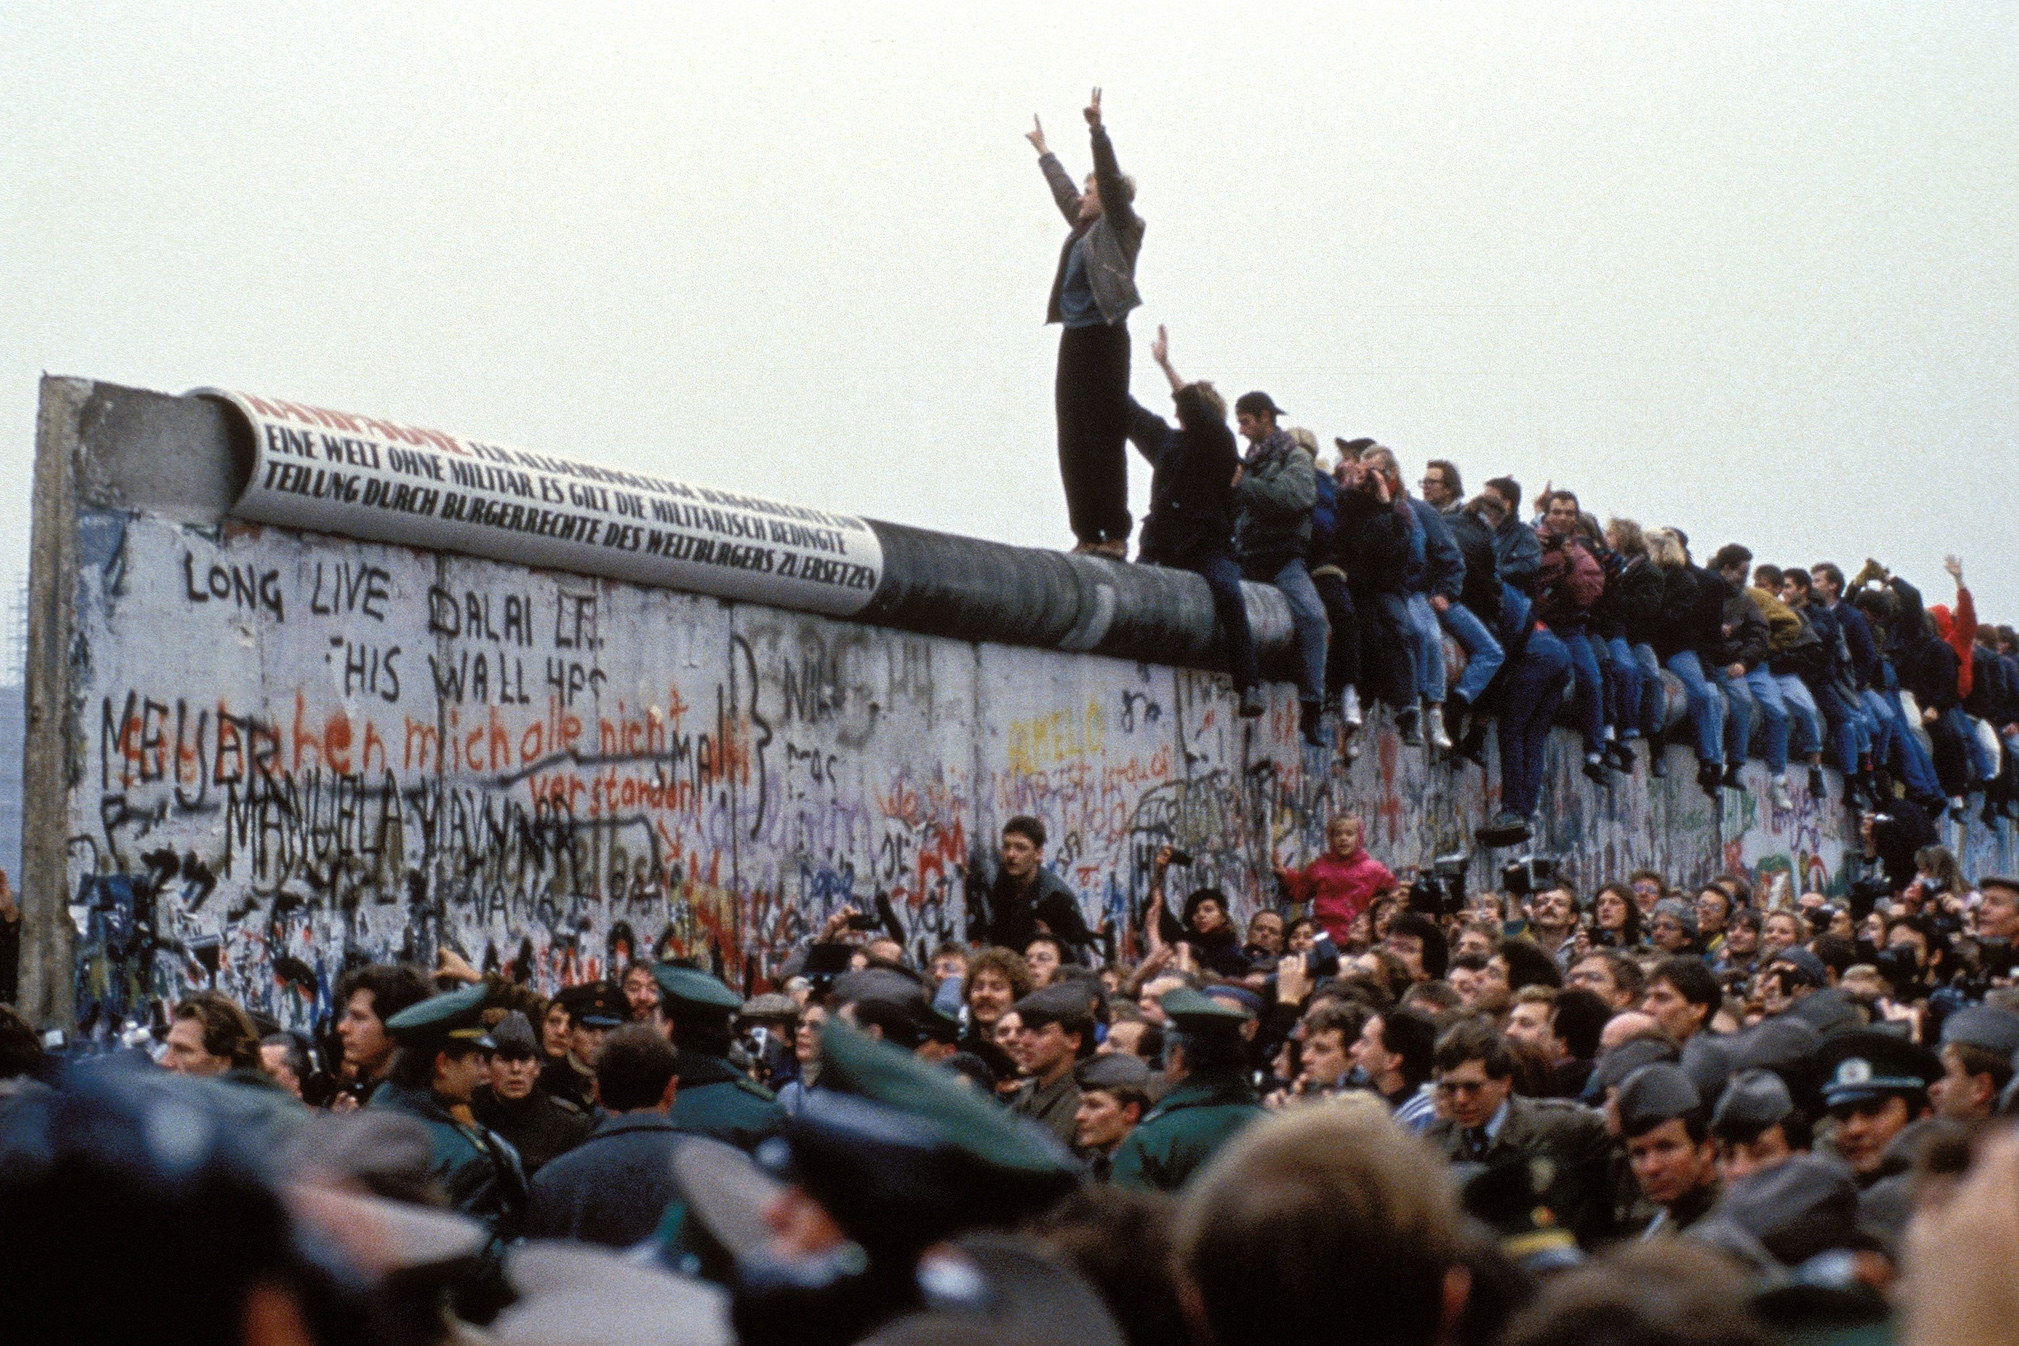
(260, 754)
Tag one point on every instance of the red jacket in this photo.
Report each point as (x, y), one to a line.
(1339, 890)
(1960, 631)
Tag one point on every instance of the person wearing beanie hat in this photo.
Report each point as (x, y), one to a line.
(1668, 1144)
(512, 1103)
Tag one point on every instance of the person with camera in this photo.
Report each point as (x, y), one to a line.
(1092, 293)
(1342, 882)
(1372, 528)
(1193, 469)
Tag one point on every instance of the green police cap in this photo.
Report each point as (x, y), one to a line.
(856, 1063)
(1114, 1070)
(454, 1017)
(1870, 1064)
(1194, 1012)
(691, 988)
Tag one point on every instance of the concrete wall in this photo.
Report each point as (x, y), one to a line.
(284, 752)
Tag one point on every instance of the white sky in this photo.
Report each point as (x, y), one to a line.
(1744, 267)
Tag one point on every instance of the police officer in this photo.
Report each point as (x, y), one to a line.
(714, 1097)
(895, 1158)
(512, 1103)
(1209, 1101)
(1976, 1051)
(1756, 1125)
(444, 1054)
(1668, 1142)
(1874, 1086)
(594, 1009)
(1114, 1093)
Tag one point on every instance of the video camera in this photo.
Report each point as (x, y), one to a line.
(1439, 888)
(1529, 875)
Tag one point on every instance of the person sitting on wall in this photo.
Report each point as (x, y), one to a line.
(1026, 899)
(1193, 469)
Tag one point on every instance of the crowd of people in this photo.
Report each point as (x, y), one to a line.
(1384, 1107)
(1783, 665)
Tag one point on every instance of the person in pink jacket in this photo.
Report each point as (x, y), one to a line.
(1340, 883)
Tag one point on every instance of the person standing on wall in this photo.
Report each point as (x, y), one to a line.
(1092, 293)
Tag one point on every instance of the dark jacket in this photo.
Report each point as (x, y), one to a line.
(1518, 551)
(1481, 591)
(1606, 621)
(1014, 915)
(1272, 503)
(477, 1171)
(1113, 240)
(1183, 1131)
(1191, 479)
(1571, 1136)
(716, 1099)
(1051, 1106)
(611, 1189)
(1858, 638)
(1373, 542)
(565, 1080)
(1747, 641)
(1643, 590)
(1443, 563)
(539, 1126)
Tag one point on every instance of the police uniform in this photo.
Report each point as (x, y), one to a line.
(1201, 1113)
(1653, 1096)
(1053, 1105)
(539, 1126)
(592, 1004)
(476, 1169)
(714, 1098)
(1112, 1071)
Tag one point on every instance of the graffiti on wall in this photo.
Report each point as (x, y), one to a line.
(291, 754)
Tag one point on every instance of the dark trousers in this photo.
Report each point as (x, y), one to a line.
(1222, 573)
(1342, 658)
(1531, 690)
(1387, 654)
(1092, 398)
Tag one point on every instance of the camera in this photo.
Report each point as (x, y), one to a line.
(865, 920)
(1529, 875)
(1180, 857)
(1897, 967)
(1439, 888)
(1866, 894)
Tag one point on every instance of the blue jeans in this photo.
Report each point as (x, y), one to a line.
(1429, 646)
(1307, 617)
(1755, 694)
(1387, 647)
(1530, 693)
(1653, 712)
(1802, 713)
(1984, 768)
(1916, 767)
(1706, 706)
(1216, 565)
(1483, 655)
(1590, 683)
(1850, 737)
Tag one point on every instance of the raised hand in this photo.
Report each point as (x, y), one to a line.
(1160, 349)
(1094, 109)
(1955, 569)
(1036, 135)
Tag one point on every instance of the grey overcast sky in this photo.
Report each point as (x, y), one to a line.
(1744, 267)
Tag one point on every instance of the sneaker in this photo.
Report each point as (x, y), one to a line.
(1777, 790)
(1252, 705)
(1733, 781)
(1438, 738)
(1958, 810)
(1350, 742)
(1594, 769)
(1405, 725)
(1349, 706)
(1710, 779)
(1508, 828)
(1310, 722)
(1819, 789)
